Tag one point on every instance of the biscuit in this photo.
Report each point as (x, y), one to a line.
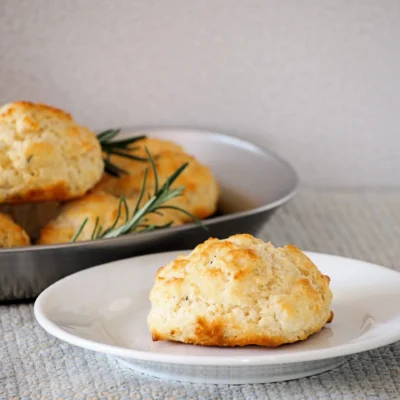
(45, 155)
(200, 194)
(237, 292)
(11, 234)
(155, 146)
(94, 205)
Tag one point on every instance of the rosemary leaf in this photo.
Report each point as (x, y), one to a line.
(107, 135)
(126, 142)
(142, 190)
(122, 201)
(154, 204)
(120, 148)
(195, 220)
(79, 231)
(113, 170)
(153, 167)
(95, 228)
(99, 231)
(125, 155)
(128, 226)
(154, 227)
(177, 192)
(171, 179)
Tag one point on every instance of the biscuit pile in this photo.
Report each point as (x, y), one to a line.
(45, 157)
(237, 292)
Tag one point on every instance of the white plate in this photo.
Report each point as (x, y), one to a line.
(104, 309)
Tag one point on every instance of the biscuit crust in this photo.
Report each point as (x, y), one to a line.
(237, 292)
(45, 155)
(11, 234)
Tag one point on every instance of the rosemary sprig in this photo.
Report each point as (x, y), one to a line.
(121, 148)
(155, 204)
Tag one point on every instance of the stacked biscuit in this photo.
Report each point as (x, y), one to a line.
(46, 159)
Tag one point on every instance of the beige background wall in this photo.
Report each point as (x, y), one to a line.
(316, 81)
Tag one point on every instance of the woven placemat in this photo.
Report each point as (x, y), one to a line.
(358, 224)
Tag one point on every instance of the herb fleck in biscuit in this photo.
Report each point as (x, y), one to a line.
(44, 155)
(239, 291)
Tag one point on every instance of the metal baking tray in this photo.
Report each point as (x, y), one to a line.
(254, 183)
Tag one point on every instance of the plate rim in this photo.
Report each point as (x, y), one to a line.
(311, 355)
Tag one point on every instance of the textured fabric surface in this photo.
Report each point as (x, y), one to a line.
(364, 225)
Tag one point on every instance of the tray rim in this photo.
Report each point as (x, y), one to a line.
(126, 130)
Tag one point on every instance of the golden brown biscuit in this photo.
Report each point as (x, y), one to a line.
(45, 155)
(94, 205)
(11, 234)
(200, 195)
(239, 291)
(155, 146)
